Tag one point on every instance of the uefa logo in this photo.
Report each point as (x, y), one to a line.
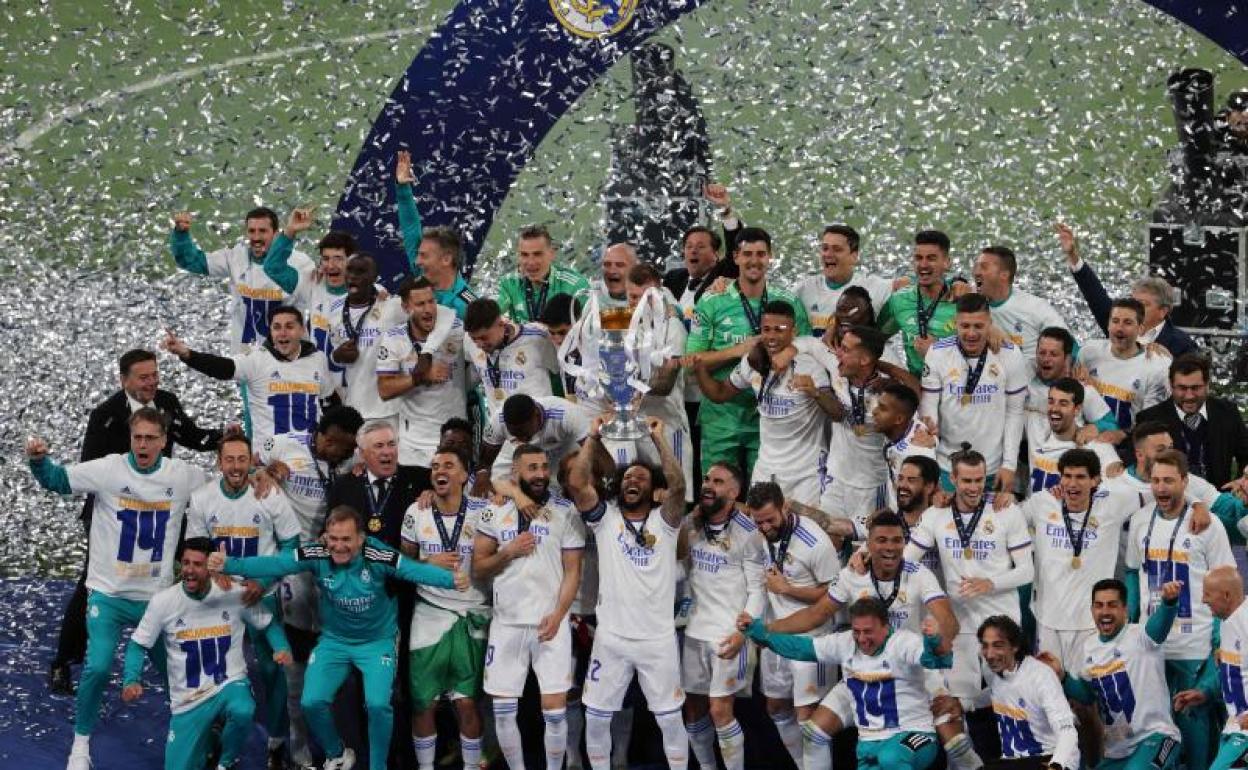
(594, 18)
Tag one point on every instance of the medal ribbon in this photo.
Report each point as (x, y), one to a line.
(1076, 540)
(375, 507)
(965, 533)
(327, 482)
(770, 381)
(493, 361)
(449, 544)
(755, 320)
(1148, 536)
(353, 333)
(779, 552)
(888, 602)
(923, 315)
(973, 373)
(418, 345)
(538, 304)
(638, 533)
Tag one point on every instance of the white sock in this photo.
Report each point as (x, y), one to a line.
(576, 729)
(621, 736)
(598, 738)
(816, 747)
(960, 753)
(470, 750)
(556, 737)
(82, 744)
(676, 740)
(508, 732)
(426, 746)
(790, 734)
(731, 745)
(300, 753)
(702, 739)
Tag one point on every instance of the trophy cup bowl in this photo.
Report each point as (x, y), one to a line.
(618, 365)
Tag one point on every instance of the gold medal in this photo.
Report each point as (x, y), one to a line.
(649, 539)
(499, 395)
(374, 525)
(967, 553)
(1076, 562)
(966, 399)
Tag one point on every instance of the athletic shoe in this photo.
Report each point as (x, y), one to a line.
(78, 761)
(345, 762)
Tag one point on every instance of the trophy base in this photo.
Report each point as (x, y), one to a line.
(624, 429)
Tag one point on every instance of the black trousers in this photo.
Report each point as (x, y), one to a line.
(71, 643)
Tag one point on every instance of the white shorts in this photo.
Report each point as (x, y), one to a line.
(615, 659)
(840, 701)
(514, 649)
(677, 437)
(299, 598)
(1066, 645)
(703, 672)
(965, 678)
(857, 503)
(802, 488)
(803, 682)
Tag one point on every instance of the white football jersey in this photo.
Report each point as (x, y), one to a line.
(245, 524)
(527, 589)
(420, 528)
(792, 427)
(1198, 490)
(424, 408)
(1130, 385)
(819, 296)
(810, 560)
(308, 485)
(370, 322)
(1022, 316)
(255, 295)
(636, 581)
(1047, 449)
(856, 448)
(1033, 715)
(203, 639)
(1037, 408)
(725, 576)
(283, 396)
(895, 453)
(905, 598)
(314, 298)
(564, 426)
(670, 408)
(1166, 549)
(992, 421)
(137, 521)
(523, 365)
(1230, 654)
(890, 695)
(1128, 675)
(999, 542)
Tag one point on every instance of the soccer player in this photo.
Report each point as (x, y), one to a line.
(725, 326)
(509, 357)
(1054, 360)
(554, 424)
(1163, 546)
(358, 321)
(448, 637)
(838, 254)
(1224, 594)
(636, 538)
(202, 626)
(726, 560)
(358, 623)
(925, 314)
(522, 295)
(285, 381)
(975, 395)
(1062, 433)
(140, 499)
(229, 513)
(533, 555)
(985, 555)
(255, 294)
(885, 672)
(918, 483)
(801, 563)
(1034, 720)
(1123, 671)
(793, 397)
(1020, 314)
(429, 388)
(894, 414)
(1128, 376)
(434, 254)
(1149, 439)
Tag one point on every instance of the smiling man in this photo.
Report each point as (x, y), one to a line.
(1129, 377)
(522, 295)
(924, 314)
(436, 253)
(1021, 314)
(838, 261)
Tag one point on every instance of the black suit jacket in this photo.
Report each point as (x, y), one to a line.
(108, 431)
(385, 525)
(1170, 337)
(1227, 439)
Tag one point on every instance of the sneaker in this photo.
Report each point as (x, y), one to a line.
(345, 762)
(78, 761)
(60, 680)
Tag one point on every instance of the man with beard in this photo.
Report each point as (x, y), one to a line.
(918, 484)
(286, 380)
(1123, 671)
(1164, 545)
(1054, 360)
(533, 555)
(1020, 314)
(522, 295)
(726, 560)
(230, 513)
(838, 254)
(449, 627)
(1062, 433)
(509, 357)
(255, 294)
(925, 314)
(636, 538)
(905, 436)
(1128, 376)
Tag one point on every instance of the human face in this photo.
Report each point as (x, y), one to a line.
(869, 633)
(533, 474)
(616, 262)
(850, 355)
(434, 261)
(334, 266)
(1154, 313)
(558, 333)
(457, 439)
(380, 450)
(699, 255)
(635, 290)
(849, 311)
(534, 256)
(991, 278)
(1149, 448)
(973, 331)
(361, 275)
(996, 650)
(141, 381)
(147, 441)
(1124, 329)
(286, 333)
(1237, 123)
(770, 521)
(1062, 411)
(913, 493)
(885, 544)
(490, 338)
(1168, 487)
(636, 489)
(753, 258)
(1109, 612)
(1077, 485)
(334, 445)
(968, 483)
(194, 571)
(422, 309)
(1051, 359)
(719, 491)
(930, 265)
(344, 541)
(447, 474)
(838, 259)
(260, 234)
(888, 414)
(234, 462)
(1221, 603)
(1189, 391)
(777, 332)
(524, 432)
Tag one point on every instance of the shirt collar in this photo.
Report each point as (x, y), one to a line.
(373, 478)
(136, 405)
(1183, 415)
(1151, 335)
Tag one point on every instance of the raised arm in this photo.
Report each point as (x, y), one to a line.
(1160, 622)
(48, 473)
(712, 389)
(833, 525)
(216, 367)
(409, 215)
(277, 258)
(186, 254)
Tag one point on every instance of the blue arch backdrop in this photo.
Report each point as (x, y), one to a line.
(498, 74)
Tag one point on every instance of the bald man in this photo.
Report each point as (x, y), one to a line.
(1224, 593)
(611, 288)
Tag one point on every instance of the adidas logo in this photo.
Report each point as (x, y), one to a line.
(276, 375)
(126, 490)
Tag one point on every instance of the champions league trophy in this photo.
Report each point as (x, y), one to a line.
(614, 352)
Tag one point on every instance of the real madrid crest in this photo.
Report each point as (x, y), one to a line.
(988, 528)
(594, 18)
(520, 359)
